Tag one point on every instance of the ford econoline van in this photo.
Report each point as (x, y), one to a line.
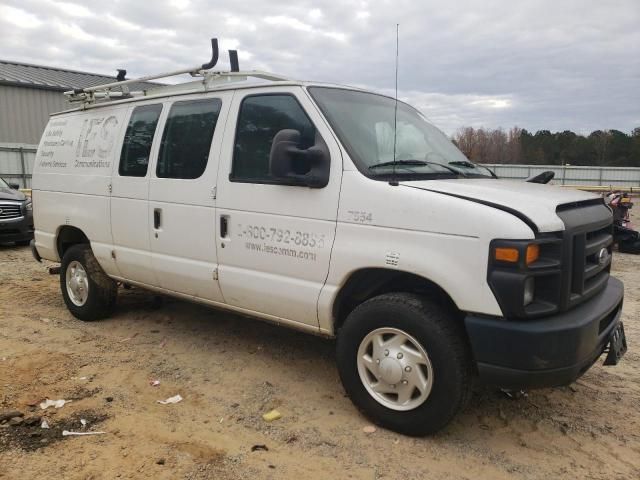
(337, 211)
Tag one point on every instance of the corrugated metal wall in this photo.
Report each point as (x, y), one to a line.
(24, 112)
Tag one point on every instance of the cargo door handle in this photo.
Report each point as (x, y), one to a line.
(157, 218)
(224, 226)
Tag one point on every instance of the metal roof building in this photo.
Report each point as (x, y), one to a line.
(29, 93)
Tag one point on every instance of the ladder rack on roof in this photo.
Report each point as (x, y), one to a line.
(92, 94)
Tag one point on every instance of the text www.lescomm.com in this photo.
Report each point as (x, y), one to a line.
(285, 252)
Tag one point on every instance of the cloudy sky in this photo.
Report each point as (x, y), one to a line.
(538, 64)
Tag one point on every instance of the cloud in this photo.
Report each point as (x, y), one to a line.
(540, 65)
(74, 9)
(315, 14)
(295, 24)
(18, 18)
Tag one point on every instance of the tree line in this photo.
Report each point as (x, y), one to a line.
(517, 145)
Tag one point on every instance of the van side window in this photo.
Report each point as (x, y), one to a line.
(186, 140)
(138, 138)
(260, 118)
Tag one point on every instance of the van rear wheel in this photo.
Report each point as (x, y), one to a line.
(87, 291)
(404, 362)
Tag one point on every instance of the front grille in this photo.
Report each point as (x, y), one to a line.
(590, 266)
(10, 210)
(588, 230)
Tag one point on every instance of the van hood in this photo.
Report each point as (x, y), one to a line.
(534, 202)
(9, 194)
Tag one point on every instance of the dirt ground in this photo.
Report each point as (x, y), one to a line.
(230, 370)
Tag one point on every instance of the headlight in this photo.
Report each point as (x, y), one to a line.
(28, 206)
(524, 275)
(512, 254)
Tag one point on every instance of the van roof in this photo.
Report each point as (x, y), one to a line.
(200, 86)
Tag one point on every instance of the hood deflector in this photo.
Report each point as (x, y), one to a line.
(583, 203)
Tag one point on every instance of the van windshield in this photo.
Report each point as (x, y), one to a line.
(364, 122)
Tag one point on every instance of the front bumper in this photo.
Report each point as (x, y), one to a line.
(17, 230)
(545, 352)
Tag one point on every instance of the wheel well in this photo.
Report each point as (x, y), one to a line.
(371, 282)
(67, 237)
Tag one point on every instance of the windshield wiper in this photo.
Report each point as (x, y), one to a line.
(470, 164)
(415, 163)
(462, 163)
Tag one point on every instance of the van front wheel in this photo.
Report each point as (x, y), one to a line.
(404, 362)
(87, 291)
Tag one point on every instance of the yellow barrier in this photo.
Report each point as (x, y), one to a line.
(604, 188)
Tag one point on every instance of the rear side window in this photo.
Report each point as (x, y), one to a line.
(136, 148)
(186, 140)
(260, 118)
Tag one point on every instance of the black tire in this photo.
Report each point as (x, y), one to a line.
(101, 297)
(442, 337)
(23, 243)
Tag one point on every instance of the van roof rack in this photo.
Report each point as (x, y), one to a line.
(106, 91)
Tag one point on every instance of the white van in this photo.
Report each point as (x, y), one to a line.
(287, 201)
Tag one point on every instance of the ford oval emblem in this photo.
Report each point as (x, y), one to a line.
(603, 256)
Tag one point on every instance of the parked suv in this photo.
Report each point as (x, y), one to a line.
(16, 215)
(325, 208)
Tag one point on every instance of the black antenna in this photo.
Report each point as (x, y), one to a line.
(394, 180)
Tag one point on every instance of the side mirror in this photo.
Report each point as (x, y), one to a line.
(15, 186)
(308, 167)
